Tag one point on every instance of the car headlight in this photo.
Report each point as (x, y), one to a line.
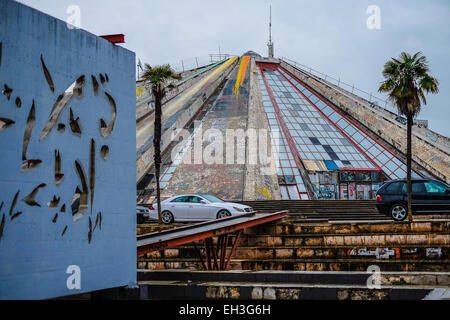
(238, 209)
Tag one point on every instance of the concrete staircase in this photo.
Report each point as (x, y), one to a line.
(337, 246)
(322, 210)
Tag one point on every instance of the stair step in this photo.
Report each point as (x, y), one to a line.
(299, 242)
(305, 264)
(318, 252)
(296, 277)
(381, 239)
(169, 290)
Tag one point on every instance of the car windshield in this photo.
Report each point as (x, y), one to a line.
(211, 198)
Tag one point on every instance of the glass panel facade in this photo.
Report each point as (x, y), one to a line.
(390, 164)
(289, 178)
(313, 131)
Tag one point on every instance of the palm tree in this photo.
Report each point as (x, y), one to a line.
(407, 81)
(158, 77)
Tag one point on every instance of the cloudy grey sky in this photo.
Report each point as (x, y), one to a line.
(327, 35)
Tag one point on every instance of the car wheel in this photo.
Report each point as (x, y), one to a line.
(398, 212)
(167, 217)
(223, 214)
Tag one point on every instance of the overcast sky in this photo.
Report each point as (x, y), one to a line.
(327, 35)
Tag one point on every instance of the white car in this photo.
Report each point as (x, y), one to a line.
(196, 207)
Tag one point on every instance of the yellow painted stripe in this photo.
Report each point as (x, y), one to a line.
(241, 74)
(244, 70)
(236, 86)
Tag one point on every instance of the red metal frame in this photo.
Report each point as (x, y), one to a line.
(216, 254)
(114, 38)
(359, 170)
(282, 124)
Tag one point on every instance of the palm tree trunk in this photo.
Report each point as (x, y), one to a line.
(408, 164)
(157, 147)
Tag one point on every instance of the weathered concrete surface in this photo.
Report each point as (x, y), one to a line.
(432, 155)
(294, 285)
(289, 245)
(39, 243)
(277, 291)
(241, 178)
(198, 174)
(261, 181)
(143, 93)
(224, 180)
(183, 111)
(237, 180)
(274, 285)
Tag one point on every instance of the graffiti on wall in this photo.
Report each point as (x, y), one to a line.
(378, 253)
(265, 192)
(434, 252)
(204, 183)
(241, 75)
(325, 191)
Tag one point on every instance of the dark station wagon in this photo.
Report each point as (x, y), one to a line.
(428, 197)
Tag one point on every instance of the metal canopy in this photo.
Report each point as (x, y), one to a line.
(206, 231)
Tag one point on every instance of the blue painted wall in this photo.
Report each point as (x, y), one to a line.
(34, 255)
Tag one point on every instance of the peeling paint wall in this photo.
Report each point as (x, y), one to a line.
(67, 165)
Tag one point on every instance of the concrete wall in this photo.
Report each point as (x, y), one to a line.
(143, 93)
(189, 78)
(261, 183)
(146, 161)
(244, 179)
(39, 240)
(430, 155)
(222, 179)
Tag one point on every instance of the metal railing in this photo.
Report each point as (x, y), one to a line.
(370, 97)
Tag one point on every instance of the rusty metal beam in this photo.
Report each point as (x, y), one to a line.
(178, 240)
(219, 251)
(224, 252)
(214, 253)
(199, 254)
(208, 257)
(236, 241)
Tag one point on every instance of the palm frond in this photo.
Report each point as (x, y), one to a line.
(407, 81)
(159, 74)
(429, 84)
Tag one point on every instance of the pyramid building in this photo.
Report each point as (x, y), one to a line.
(254, 128)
